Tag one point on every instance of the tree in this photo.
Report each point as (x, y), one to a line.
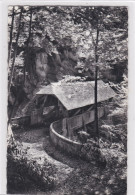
(85, 31)
(11, 32)
(27, 43)
(13, 61)
(15, 49)
(101, 19)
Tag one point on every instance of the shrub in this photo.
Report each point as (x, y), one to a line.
(92, 152)
(42, 175)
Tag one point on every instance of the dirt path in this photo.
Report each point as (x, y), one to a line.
(33, 141)
(37, 153)
(74, 176)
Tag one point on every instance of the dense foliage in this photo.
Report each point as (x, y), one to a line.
(64, 41)
(62, 29)
(47, 43)
(21, 169)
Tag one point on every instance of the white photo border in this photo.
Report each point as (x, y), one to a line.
(3, 78)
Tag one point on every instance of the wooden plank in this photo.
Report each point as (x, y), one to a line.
(88, 117)
(36, 116)
(64, 127)
(75, 122)
(101, 112)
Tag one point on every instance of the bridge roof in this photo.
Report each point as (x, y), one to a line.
(78, 94)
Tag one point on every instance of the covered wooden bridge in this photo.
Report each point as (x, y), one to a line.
(73, 102)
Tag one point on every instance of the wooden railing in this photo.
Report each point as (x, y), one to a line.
(85, 118)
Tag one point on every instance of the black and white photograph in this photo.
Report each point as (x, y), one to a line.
(67, 99)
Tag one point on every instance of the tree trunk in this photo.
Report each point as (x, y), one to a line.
(96, 74)
(10, 136)
(12, 67)
(15, 51)
(11, 32)
(27, 46)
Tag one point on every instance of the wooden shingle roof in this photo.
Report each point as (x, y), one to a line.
(79, 94)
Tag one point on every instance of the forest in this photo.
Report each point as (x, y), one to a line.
(45, 45)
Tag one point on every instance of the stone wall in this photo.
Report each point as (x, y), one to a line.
(61, 142)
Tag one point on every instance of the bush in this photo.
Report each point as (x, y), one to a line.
(42, 175)
(91, 152)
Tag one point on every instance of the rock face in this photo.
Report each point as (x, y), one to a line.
(41, 65)
(51, 67)
(44, 68)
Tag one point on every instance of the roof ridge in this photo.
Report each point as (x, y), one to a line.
(73, 95)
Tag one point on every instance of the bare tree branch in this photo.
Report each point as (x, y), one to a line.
(11, 32)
